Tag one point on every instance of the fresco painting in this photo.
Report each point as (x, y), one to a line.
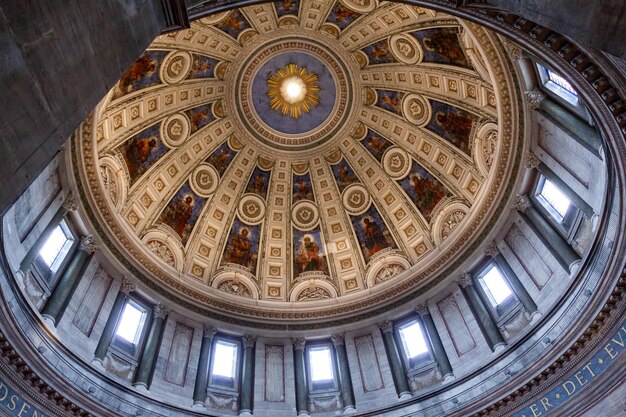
(376, 144)
(452, 124)
(342, 16)
(344, 175)
(242, 247)
(182, 211)
(424, 190)
(379, 53)
(202, 67)
(259, 181)
(233, 24)
(284, 7)
(442, 46)
(141, 151)
(390, 101)
(309, 254)
(302, 188)
(372, 233)
(221, 158)
(142, 74)
(200, 116)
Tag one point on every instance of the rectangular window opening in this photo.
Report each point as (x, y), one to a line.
(413, 340)
(56, 246)
(224, 359)
(320, 364)
(561, 82)
(131, 323)
(556, 200)
(496, 286)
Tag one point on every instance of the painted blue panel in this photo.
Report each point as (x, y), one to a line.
(202, 67)
(233, 24)
(344, 175)
(342, 16)
(390, 101)
(182, 212)
(242, 247)
(376, 144)
(424, 190)
(379, 53)
(142, 74)
(200, 116)
(442, 46)
(259, 181)
(372, 233)
(452, 124)
(284, 7)
(285, 123)
(221, 158)
(141, 151)
(302, 188)
(309, 252)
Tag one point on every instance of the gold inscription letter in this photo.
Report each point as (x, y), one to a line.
(23, 409)
(535, 410)
(546, 403)
(566, 385)
(610, 351)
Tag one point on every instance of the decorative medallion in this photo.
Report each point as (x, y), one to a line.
(356, 199)
(234, 287)
(204, 180)
(162, 251)
(175, 130)
(388, 272)
(397, 163)
(175, 67)
(305, 215)
(416, 109)
(406, 49)
(451, 221)
(304, 102)
(313, 293)
(251, 209)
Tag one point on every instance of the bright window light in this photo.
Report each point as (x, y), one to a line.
(224, 359)
(320, 363)
(561, 82)
(57, 243)
(413, 339)
(496, 285)
(131, 322)
(555, 197)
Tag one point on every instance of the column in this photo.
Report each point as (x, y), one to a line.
(202, 376)
(247, 376)
(397, 371)
(109, 328)
(302, 406)
(439, 352)
(578, 129)
(484, 319)
(145, 370)
(556, 244)
(518, 288)
(59, 299)
(345, 382)
(68, 205)
(533, 162)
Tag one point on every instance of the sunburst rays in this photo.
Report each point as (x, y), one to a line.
(293, 90)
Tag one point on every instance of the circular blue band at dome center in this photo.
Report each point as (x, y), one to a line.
(285, 123)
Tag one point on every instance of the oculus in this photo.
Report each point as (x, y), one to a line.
(293, 90)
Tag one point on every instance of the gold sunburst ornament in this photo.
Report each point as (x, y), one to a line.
(293, 90)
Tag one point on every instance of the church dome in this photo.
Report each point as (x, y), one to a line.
(390, 162)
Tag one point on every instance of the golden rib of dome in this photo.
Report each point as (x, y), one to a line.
(293, 90)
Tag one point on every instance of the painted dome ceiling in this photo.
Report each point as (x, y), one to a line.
(292, 157)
